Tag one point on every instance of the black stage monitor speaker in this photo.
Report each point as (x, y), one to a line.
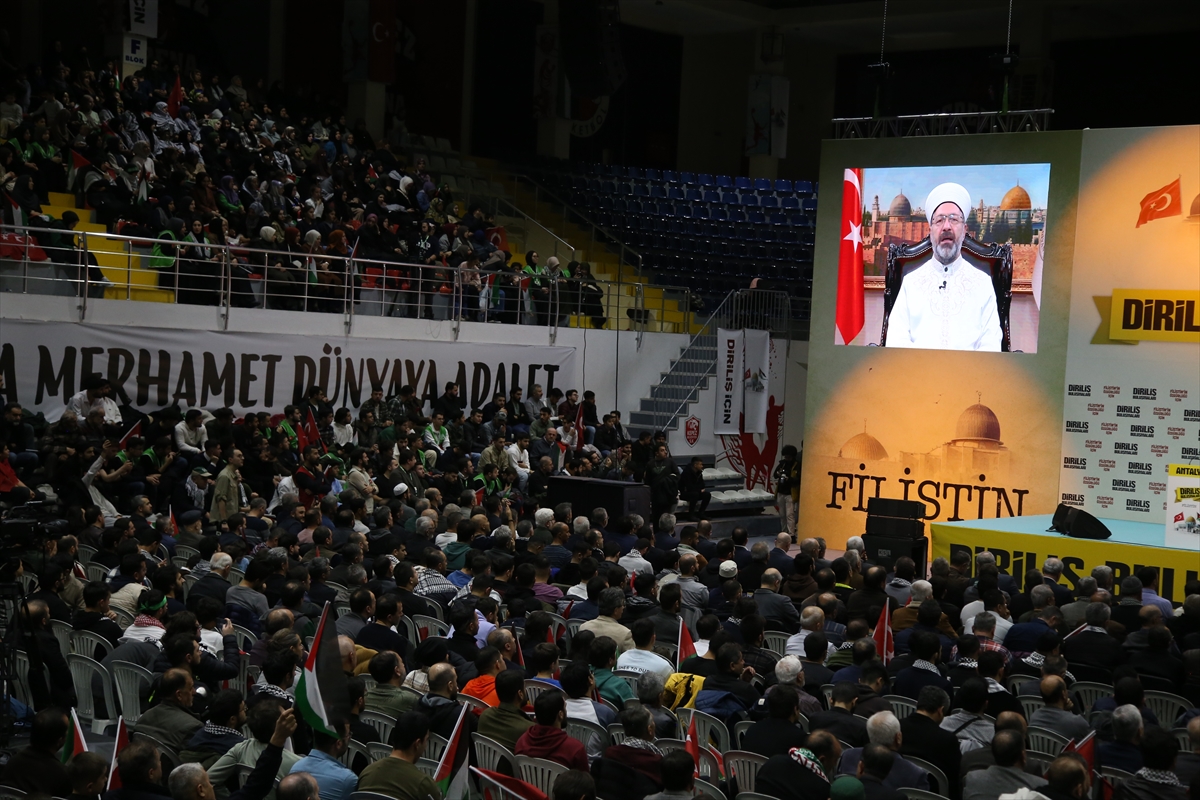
(1078, 523)
(890, 507)
(896, 526)
(618, 498)
(882, 551)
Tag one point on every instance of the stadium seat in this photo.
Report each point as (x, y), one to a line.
(692, 196)
(640, 190)
(711, 197)
(687, 178)
(762, 184)
(705, 179)
(750, 200)
(770, 201)
(803, 187)
(675, 193)
(783, 185)
(653, 175)
(724, 181)
(743, 184)
(789, 202)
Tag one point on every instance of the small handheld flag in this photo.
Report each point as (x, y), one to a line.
(321, 694)
(885, 643)
(687, 648)
(120, 742)
(75, 743)
(451, 775)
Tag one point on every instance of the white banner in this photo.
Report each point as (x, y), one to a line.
(42, 364)
(143, 18)
(755, 386)
(730, 345)
(134, 54)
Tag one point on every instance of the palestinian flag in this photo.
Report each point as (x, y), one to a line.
(75, 743)
(18, 214)
(135, 430)
(693, 746)
(687, 648)
(321, 695)
(76, 164)
(452, 770)
(120, 743)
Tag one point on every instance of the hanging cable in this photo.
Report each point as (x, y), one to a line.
(1007, 40)
(883, 33)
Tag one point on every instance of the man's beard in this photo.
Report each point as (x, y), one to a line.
(946, 251)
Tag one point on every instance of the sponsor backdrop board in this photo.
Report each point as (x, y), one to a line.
(971, 434)
(1131, 401)
(1022, 544)
(1093, 418)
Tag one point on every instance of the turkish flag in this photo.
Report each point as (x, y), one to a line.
(175, 98)
(849, 319)
(687, 648)
(312, 434)
(381, 41)
(1164, 202)
(1086, 748)
(885, 643)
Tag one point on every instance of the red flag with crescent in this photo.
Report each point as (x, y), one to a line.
(1164, 202)
(850, 315)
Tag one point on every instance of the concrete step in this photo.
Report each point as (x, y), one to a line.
(63, 199)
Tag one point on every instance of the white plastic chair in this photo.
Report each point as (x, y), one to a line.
(83, 669)
(744, 765)
(490, 753)
(539, 772)
(129, 679)
(382, 723)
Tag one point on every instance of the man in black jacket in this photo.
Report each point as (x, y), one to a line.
(38, 768)
(1093, 645)
(778, 733)
(840, 719)
(924, 738)
(803, 773)
(96, 616)
(50, 681)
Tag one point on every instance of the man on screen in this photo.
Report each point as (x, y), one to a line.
(946, 303)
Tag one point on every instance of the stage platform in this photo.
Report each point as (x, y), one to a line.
(1022, 543)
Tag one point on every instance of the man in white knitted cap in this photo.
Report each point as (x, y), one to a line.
(946, 303)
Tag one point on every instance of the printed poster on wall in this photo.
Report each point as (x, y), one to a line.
(756, 387)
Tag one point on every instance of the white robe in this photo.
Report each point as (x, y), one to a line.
(961, 316)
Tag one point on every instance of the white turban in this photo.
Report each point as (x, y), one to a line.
(948, 193)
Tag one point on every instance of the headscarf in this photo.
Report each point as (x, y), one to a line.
(267, 234)
(313, 238)
(337, 241)
(229, 190)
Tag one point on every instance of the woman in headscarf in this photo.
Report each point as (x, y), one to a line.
(280, 287)
(200, 272)
(309, 147)
(256, 218)
(26, 197)
(205, 195)
(274, 200)
(436, 212)
(425, 196)
(167, 252)
(591, 296)
(144, 160)
(164, 126)
(227, 197)
(250, 194)
(51, 177)
(185, 209)
(333, 146)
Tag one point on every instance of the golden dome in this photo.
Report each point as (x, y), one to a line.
(1194, 211)
(900, 207)
(978, 423)
(1016, 199)
(863, 447)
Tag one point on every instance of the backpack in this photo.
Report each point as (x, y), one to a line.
(723, 705)
(683, 687)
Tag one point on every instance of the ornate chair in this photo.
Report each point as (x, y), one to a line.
(995, 259)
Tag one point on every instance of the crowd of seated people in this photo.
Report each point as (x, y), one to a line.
(245, 522)
(207, 166)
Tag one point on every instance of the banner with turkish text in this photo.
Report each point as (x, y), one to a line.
(730, 358)
(42, 364)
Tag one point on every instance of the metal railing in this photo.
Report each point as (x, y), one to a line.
(942, 124)
(38, 260)
(758, 309)
(598, 234)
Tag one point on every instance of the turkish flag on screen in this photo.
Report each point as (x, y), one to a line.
(850, 259)
(1164, 202)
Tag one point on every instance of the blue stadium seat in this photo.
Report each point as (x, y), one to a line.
(666, 209)
(635, 172)
(653, 175)
(750, 200)
(633, 206)
(762, 184)
(787, 235)
(808, 205)
(604, 187)
(789, 202)
(767, 234)
(720, 215)
(604, 203)
(670, 176)
(743, 184)
(700, 212)
(783, 185)
(675, 193)
(683, 210)
(675, 226)
(803, 187)
(724, 181)
(658, 192)
(769, 201)
(687, 178)
(737, 215)
(620, 205)
(711, 196)
(640, 190)
(729, 198)
(778, 219)
(705, 179)
(692, 196)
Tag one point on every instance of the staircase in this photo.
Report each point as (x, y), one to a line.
(119, 260)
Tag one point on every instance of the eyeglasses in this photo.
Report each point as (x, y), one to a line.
(941, 219)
